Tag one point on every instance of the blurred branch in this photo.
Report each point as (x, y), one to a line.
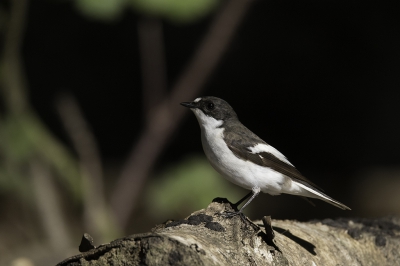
(167, 115)
(49, 208)
(23, 129)
(96, 213)
(14, 88)
(151, 50)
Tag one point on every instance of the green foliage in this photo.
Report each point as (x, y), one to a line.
(186, 187)
(175, 10)
(14, 182)
(101, 9)
(23, 137)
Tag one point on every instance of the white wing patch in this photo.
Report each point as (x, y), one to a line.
(261, 147)
(197, 100)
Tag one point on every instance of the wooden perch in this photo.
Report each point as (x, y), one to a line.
(207, 238)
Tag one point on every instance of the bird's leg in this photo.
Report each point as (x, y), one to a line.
(254, 192)
(243, 199)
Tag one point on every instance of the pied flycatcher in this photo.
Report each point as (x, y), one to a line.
(243, 158)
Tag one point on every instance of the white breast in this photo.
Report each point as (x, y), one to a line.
(240, 172)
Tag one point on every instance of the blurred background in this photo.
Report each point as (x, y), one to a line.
(93, 139)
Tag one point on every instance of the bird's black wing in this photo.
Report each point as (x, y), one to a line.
(239, 142)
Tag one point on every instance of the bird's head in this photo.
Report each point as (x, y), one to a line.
(211, 111)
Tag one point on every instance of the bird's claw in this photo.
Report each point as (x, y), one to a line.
(230, 214)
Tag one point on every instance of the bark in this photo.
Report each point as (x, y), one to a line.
(207, 238)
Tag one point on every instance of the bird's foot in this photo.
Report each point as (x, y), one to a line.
(230, 214)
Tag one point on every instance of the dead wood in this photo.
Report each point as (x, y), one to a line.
(208, 238)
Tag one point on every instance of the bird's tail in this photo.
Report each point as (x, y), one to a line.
(314, 193)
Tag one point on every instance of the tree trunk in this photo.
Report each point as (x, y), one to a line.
(208, 238)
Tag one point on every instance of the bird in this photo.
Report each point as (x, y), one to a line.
(246, 160)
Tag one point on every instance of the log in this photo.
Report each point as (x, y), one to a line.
(208, 238)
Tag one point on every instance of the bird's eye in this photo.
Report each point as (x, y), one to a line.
(210, 106)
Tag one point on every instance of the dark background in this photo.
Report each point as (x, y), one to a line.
(319, 81)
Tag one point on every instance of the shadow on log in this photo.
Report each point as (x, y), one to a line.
(207, 238)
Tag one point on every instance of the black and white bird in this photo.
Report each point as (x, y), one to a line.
(243, 158)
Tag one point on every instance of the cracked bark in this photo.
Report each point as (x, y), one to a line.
(207, 238)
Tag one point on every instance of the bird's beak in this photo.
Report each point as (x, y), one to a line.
(189, 104)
